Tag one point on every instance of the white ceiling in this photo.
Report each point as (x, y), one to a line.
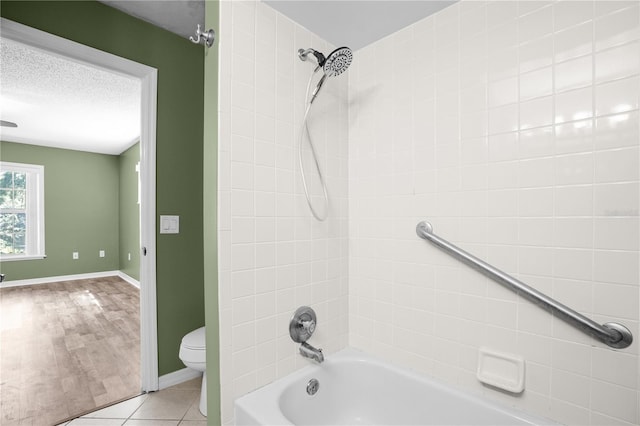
(61, 103)
(356, 23)
(177, 16)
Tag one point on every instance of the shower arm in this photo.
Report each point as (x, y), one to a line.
(303, 53)
(613, 334)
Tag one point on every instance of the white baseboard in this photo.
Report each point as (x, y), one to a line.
(47, 280)
(129, 279)
(178, 377)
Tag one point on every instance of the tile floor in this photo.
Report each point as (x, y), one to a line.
(177, 405)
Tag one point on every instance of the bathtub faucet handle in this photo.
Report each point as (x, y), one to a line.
(309, 325)
(303, 324)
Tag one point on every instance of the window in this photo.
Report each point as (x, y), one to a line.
(21, 211)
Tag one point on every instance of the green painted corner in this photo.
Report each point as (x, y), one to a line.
(210, 197)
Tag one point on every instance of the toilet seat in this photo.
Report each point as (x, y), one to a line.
(193, 349)
(195, 340)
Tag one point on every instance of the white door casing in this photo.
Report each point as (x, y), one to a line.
(148, 77)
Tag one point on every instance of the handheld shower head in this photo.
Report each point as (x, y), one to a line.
(338, 61)
(335, 64)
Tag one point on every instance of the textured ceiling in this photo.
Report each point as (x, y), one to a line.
(62, 103)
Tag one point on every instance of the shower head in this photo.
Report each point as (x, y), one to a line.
(335, 64)
(338, 61)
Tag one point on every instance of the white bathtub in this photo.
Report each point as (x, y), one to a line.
(357, 389)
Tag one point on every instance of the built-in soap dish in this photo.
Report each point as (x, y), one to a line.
(501, 370)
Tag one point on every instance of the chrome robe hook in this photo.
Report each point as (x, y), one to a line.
(208, 37)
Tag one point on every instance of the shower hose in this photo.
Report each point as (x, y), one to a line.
(305, 130)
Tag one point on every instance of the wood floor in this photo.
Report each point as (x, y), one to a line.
(67, 348)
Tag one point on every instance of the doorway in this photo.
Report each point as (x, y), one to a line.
(148, 81)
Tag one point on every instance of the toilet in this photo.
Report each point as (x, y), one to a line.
(193, 354)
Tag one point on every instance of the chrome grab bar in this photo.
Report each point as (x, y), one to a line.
(613, 334)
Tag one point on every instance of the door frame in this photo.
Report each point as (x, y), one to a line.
(148, 77)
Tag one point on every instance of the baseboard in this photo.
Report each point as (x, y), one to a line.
(178, 377)
(129, 279)
(47, 280)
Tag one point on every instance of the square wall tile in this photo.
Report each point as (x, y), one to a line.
(618, 96)
(573, 42)
(567, 14)
(618, 62)
(535, 25)
(617, 28)
(536, 83)
(574, 105)
(574, 74)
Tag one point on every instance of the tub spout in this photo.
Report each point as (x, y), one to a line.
(308, 351)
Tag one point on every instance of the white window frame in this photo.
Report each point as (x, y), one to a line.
(34, 238)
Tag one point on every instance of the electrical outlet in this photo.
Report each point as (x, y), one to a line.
(75, 255)
(101, 253)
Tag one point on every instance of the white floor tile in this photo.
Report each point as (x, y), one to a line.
(168, 407)
(194, 411)
(167, 404)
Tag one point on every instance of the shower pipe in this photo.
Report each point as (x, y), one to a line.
(613, 334)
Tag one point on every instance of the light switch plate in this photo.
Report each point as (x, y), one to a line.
(169, 224)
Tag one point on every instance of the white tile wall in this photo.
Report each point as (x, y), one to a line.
(513, 128)
(273, 256)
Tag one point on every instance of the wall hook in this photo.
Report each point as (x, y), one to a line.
(208, 37)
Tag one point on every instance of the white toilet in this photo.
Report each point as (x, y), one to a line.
(193, 354)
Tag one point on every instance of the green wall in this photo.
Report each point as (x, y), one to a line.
(81, 211)
(210, 196)
(179, 145)
(91, 204)
(129, 213)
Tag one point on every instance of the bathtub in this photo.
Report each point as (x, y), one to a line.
(357, 389)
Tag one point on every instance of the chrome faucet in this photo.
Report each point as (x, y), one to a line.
(308, 351)
(301, 327)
